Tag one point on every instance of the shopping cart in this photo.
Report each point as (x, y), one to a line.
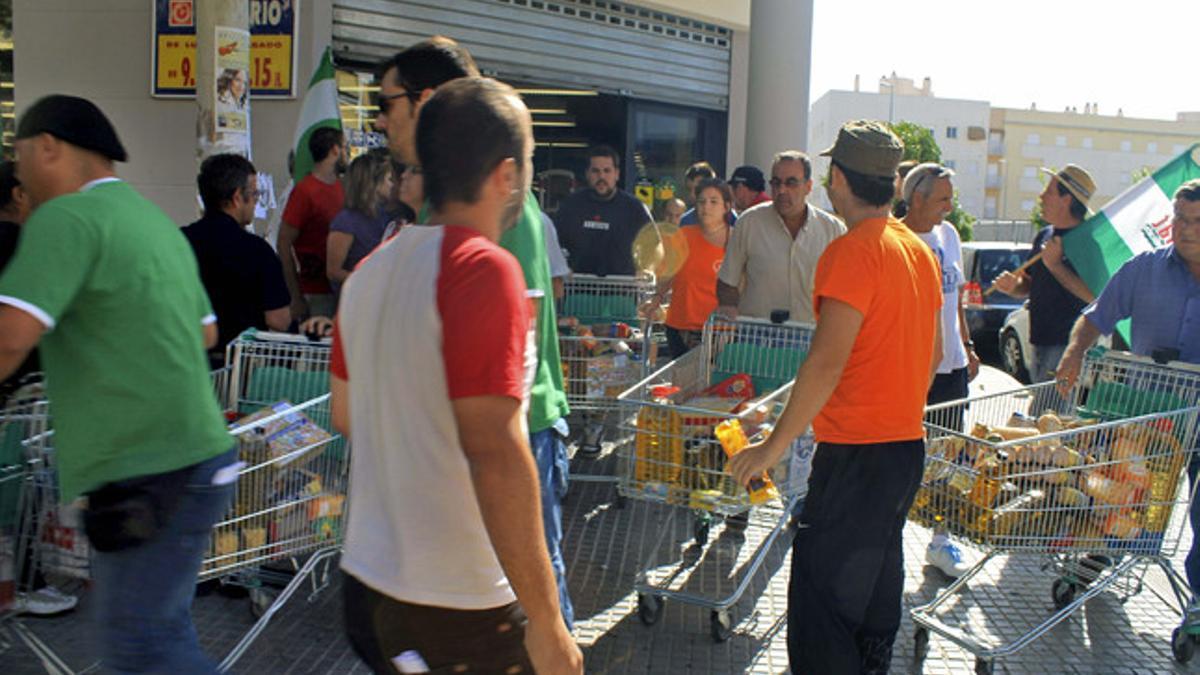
(741, 371)
(41, 540)
(290, 501)
(1090, 486)
(605, 347)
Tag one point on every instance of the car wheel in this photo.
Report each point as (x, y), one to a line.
(1012, 356)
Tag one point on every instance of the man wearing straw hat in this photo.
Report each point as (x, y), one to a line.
(1056, 293)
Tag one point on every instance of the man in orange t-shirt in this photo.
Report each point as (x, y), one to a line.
(877, 344)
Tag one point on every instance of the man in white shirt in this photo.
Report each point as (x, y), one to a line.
(772, 256)
(929, 194)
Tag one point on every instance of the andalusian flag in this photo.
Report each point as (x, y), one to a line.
(1137, 220)
(320, 110)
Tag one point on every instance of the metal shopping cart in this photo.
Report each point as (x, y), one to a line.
(41, 540)
(742, 371)
(290, 500)
(1090, 486)
(605, 347)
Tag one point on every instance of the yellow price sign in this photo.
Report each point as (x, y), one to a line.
(176, 67)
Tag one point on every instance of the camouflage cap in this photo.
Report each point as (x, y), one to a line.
(867, 147)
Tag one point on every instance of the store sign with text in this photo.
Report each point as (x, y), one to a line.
(273, 25)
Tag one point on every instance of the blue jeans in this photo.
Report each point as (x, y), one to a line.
(1045, 360)
(143, 595)
(553, 465)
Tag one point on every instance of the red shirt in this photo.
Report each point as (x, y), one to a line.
(310, 208)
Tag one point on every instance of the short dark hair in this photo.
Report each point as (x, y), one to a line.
(1189, 191)
(701, 170)
(221, 176)
(464, 131)
(323, 141)
(794, 156)
(604, 151)
(873, 190)
(716, 184)
(429, 64)
(8, 183)
(1078, 208)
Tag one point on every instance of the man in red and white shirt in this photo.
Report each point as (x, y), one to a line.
(432, 363)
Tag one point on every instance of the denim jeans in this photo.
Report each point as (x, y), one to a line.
(1045, 360)
(553, 465)
(143, 595)
(1191, 565)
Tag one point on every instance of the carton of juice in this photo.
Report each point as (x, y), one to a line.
(733, 440)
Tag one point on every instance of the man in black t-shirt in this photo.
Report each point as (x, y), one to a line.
(597, 225)
(242, 275)
(1056, 293)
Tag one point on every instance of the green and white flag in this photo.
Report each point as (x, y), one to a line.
(320, 110)
(1135, 221)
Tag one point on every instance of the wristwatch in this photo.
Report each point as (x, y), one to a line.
(969, 344)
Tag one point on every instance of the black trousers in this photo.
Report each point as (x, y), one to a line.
(680, 342)
(381, 628)
(951, 386)
(844, 599)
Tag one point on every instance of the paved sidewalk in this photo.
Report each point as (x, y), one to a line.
(606, 548)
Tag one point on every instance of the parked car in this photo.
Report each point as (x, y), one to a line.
(1014, 343)
(1015, 350)
(983, 261)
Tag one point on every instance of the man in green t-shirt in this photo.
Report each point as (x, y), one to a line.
(107, 286)
(407, 80)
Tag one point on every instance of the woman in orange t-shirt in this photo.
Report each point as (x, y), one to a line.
(694, 287)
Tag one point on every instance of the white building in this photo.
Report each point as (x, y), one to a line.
(959, 127)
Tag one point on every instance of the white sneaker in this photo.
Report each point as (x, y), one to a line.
(44, 602)
(947, 557)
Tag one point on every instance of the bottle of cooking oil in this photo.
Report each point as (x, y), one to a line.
(733, 440)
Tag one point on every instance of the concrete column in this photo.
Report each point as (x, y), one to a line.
(222, 35)
(780, 59)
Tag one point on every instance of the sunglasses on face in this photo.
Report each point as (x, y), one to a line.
(384, 101)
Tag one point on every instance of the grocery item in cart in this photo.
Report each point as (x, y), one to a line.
(733, 440)
(289, 433)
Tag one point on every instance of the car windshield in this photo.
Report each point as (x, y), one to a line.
(994, 261)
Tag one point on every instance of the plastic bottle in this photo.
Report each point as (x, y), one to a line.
(733, 440)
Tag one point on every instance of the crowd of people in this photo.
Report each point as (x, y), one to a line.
(453, 546)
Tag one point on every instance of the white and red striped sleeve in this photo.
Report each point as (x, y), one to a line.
(485, 317)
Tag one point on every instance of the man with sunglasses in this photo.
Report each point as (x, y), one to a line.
(773, 252)
(407, 81)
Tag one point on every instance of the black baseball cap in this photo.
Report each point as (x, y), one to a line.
(75, 120)
(750, 176)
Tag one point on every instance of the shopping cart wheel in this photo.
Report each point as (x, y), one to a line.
(261, 600)
(1063, 593)
(720, 625)
(920, 644)
(1183, 647)
(983, 667)
(650, 608)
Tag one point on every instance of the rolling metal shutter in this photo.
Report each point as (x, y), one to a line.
(612, 47)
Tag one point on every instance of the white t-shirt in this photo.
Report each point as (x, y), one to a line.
(554, 252)
(435, 314)
(944, 242)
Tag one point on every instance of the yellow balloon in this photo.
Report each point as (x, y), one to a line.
(659, 249)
